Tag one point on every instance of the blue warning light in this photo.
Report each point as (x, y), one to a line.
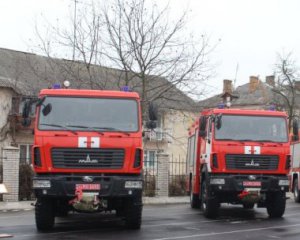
(125, 88)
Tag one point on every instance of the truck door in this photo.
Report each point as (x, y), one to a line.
(207, 145)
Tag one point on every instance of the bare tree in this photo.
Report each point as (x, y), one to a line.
(143, 42)
(287, 75)
(82, 41)
(156, 56)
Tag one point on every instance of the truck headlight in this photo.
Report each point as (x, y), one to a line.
(217, 181)
(134, 184)
(41, 184)
(283, 182)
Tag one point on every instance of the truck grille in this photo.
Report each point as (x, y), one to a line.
(250, 161)
(87, 158)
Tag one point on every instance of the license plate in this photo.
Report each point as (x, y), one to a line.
(251, 184)
(87, 186)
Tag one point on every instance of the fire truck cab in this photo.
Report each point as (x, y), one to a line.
(87, 154)
(239, 157)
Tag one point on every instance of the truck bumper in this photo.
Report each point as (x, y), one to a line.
(238, 183)
(65, 186)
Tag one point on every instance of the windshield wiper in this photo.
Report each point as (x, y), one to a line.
(268, 140)
(112, 129)
(86, 127)
(227, 139)
(60, 126)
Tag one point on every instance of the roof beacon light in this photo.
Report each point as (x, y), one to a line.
(67, 84)
(125, 89)
(221, 105)
(272, 107)
(56, 86)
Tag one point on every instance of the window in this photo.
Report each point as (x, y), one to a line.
(150, 158)
(252, 128)
(25, 153)
(79, 113)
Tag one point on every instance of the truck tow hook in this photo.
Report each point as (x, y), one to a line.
(249, 196)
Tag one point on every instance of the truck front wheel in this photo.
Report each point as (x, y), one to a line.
(133, 213)
(194, 198)
(210, 206)
(44, 214)
(296, 190)
(276, 204)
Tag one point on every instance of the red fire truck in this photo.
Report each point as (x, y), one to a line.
(87, 154)
(239, 157)
(295, 169)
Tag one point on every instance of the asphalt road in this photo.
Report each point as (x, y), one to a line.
(162, 222)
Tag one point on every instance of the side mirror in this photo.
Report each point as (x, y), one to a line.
(219, 121)
(202, 127)
(26, 120)
(26, 109)
(295, 131)
(152, 112)
(47, 109)
(151, 124)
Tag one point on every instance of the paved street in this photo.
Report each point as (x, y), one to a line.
(162, 222)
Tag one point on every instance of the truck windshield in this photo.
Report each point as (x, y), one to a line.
(82, 114)
(252, 128)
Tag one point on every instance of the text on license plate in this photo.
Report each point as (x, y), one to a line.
(251, 184)
(86, 186)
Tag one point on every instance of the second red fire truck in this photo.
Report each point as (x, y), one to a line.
(239, 157)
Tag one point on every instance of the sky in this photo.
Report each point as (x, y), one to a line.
(248, 33)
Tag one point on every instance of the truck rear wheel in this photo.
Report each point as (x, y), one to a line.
(133, 213)
(296, 190)
(276, 204)
(209, 206)
(44, 214)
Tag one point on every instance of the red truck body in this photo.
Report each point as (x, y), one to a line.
(240, 157)
(87, 154)
(295, 170)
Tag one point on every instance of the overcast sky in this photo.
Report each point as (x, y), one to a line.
(251, 32)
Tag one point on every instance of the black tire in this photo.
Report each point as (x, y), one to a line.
(210, 206)
(44, 214)
(296, 191)
(194, 198)
(248, 205)
(276, 204)
(133, 213)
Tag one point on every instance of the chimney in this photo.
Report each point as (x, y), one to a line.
(254, 82)
(227, 86)
(270, 80)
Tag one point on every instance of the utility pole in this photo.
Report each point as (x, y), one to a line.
(236, 72)
(74, 37)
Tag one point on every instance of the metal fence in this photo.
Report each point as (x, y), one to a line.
(176, 176)
(25, 182)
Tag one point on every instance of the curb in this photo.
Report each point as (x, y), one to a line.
(165, 200)
(11, 206)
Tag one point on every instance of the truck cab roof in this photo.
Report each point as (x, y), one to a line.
(88, 93)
